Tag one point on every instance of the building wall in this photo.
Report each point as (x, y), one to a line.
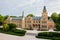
(17, 22)
(42, 24)
(51, 25)
(34, 24)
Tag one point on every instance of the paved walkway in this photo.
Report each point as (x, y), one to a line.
(11, 37)
(30, 35)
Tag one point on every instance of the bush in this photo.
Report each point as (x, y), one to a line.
(48, 35)
(43, 37)
(12, 26)
(5, 27)
(15, 32)
(19, 31)
(55, 38)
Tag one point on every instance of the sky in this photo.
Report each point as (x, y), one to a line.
(35, 7)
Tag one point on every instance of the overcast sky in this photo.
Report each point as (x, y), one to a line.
(15, 7)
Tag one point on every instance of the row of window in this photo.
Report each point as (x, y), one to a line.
(44, 21)
(36, 21)
(33, 21)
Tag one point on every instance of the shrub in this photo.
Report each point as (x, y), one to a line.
(48, 35)
(55, 38)
(5, 27)
(12, 26)
(15, 32)
(19, 31)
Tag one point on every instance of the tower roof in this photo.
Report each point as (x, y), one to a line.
(44, 9)
(22, 14)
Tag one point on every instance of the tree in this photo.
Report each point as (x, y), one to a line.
(49, 17)
(5, 17)
(12, 26)
(59, 18)
(1, 19)
(54, 16)
(30, 15)
(13, 16)
(5, 27)
(57, 26)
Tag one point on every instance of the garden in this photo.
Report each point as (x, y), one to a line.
(11, 29)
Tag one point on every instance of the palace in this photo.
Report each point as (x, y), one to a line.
(36, 23)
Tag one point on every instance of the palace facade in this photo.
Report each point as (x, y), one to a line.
(37, 23)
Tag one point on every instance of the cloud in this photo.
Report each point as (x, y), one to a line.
(29, 2)
(29, 6)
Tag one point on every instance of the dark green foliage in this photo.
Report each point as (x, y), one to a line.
(12, 26)
(1, 19)
(49, 17)
(6, 27)
(15, 32)
(59, 18)
(19, 31)
(57, 27)
(5, 17)
(30, 15)
(48, 35)
(54, 16)
(56, 19)
(13, 16)
(55, 38)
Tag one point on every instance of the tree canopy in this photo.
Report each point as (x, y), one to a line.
(2, 19)
(59, 18)
(54, 16)
(30, 15)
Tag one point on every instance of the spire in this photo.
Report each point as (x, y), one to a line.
(22, 14)
(44, 9)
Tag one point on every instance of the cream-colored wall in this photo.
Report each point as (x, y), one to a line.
(25, 24)
(51, 25)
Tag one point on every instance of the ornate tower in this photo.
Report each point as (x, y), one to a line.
(44, 14)
(44, 20)
(23, 20)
